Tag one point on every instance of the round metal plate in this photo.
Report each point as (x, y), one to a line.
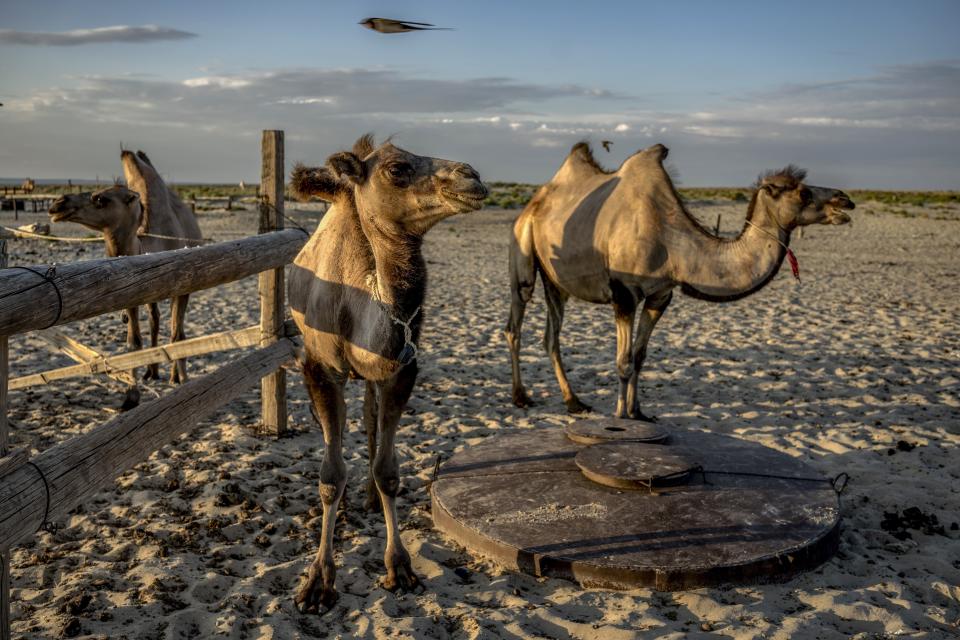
(520, 498)
(597, 430)
(636, 465)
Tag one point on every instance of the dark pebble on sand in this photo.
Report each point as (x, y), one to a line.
(72, 629)
(903, 445)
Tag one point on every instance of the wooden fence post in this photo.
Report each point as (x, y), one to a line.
(4, 442)
(273, 391)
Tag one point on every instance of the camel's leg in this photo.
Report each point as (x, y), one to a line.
(317, 593)
(623, 318)
(653, 308)
(370, 413)
(178, 309)
(556, 301)
(134, 343)
(393, 397)
(153, 370)
(523, 277)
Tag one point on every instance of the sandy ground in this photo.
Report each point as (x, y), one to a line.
(209, 537)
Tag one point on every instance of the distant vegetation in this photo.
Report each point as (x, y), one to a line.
(516, 195)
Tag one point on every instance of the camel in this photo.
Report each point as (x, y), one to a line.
(624, 237)
(356, 292)
(167, 223)
(121, 215)
(114, 212)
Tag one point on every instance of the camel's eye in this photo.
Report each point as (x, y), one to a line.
(399, 171)
(98, 202)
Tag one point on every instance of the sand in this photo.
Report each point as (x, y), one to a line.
(209, 537)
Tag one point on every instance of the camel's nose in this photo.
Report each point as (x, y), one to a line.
(466, 171)
(57, 205)
(840, 200)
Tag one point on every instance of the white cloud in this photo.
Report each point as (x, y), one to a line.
(222, 82)
(119, 33)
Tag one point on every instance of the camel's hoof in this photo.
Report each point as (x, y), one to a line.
(402, 579)
(575, 406)
(177, 376)
(152, 373)
(521, 399)
(131, 399)
(636, 414)
(315, 598)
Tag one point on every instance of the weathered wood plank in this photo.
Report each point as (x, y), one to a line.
(70, 347)
(11, 461)
(29, 301)
(225, 341)
(4, 444)
(79, 352)
(78, 468)
(273, 388)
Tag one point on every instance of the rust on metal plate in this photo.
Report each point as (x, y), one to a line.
(520, 499)
(636, 465)
(598, 430)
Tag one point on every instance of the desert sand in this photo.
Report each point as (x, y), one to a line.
(855, 370)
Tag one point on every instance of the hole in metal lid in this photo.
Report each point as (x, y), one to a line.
(614, 429)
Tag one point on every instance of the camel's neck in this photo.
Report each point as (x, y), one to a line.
(121, 240)
(724, 270)
(399, 278)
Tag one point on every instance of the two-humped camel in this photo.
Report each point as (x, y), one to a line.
(357, 291)
(123, 216)
(624, 237)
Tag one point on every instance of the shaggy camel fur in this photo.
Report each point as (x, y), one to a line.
(356, 292)
(164, 214)
(624, 237)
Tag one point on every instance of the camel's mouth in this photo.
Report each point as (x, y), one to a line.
(836, 216)
(472, 201)
(58, 212)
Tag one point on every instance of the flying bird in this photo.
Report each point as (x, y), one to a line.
(607, 144)
(386, 25)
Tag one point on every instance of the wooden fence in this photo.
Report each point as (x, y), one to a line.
(35, 491)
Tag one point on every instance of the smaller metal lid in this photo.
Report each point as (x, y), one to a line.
(636, 465)
(597, 430)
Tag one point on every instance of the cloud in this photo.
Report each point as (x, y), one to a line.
(119, 33)
(294, 95)
(897, 128)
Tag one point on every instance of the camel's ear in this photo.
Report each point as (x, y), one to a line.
(347, 165)
(143, 156)
(314, 181)
(130, 197)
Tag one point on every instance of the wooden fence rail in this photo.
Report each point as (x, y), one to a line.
(116, 365)
(80, 467)
(39, 490)
(29, 300)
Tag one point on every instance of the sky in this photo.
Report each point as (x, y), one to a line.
(863, 94)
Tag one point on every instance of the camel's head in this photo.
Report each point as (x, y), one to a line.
(108, 208)
(796, 204)
(139, 172)
(393, 188)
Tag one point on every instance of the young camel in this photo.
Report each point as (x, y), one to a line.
(167, 223)
(356, 292)
(115, 213)
(624, 237)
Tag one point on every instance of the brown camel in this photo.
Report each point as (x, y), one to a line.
(167, 223)
(356, 291)
(114, 212)
(624, 237)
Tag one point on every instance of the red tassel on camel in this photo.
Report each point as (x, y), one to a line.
(794, 265)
